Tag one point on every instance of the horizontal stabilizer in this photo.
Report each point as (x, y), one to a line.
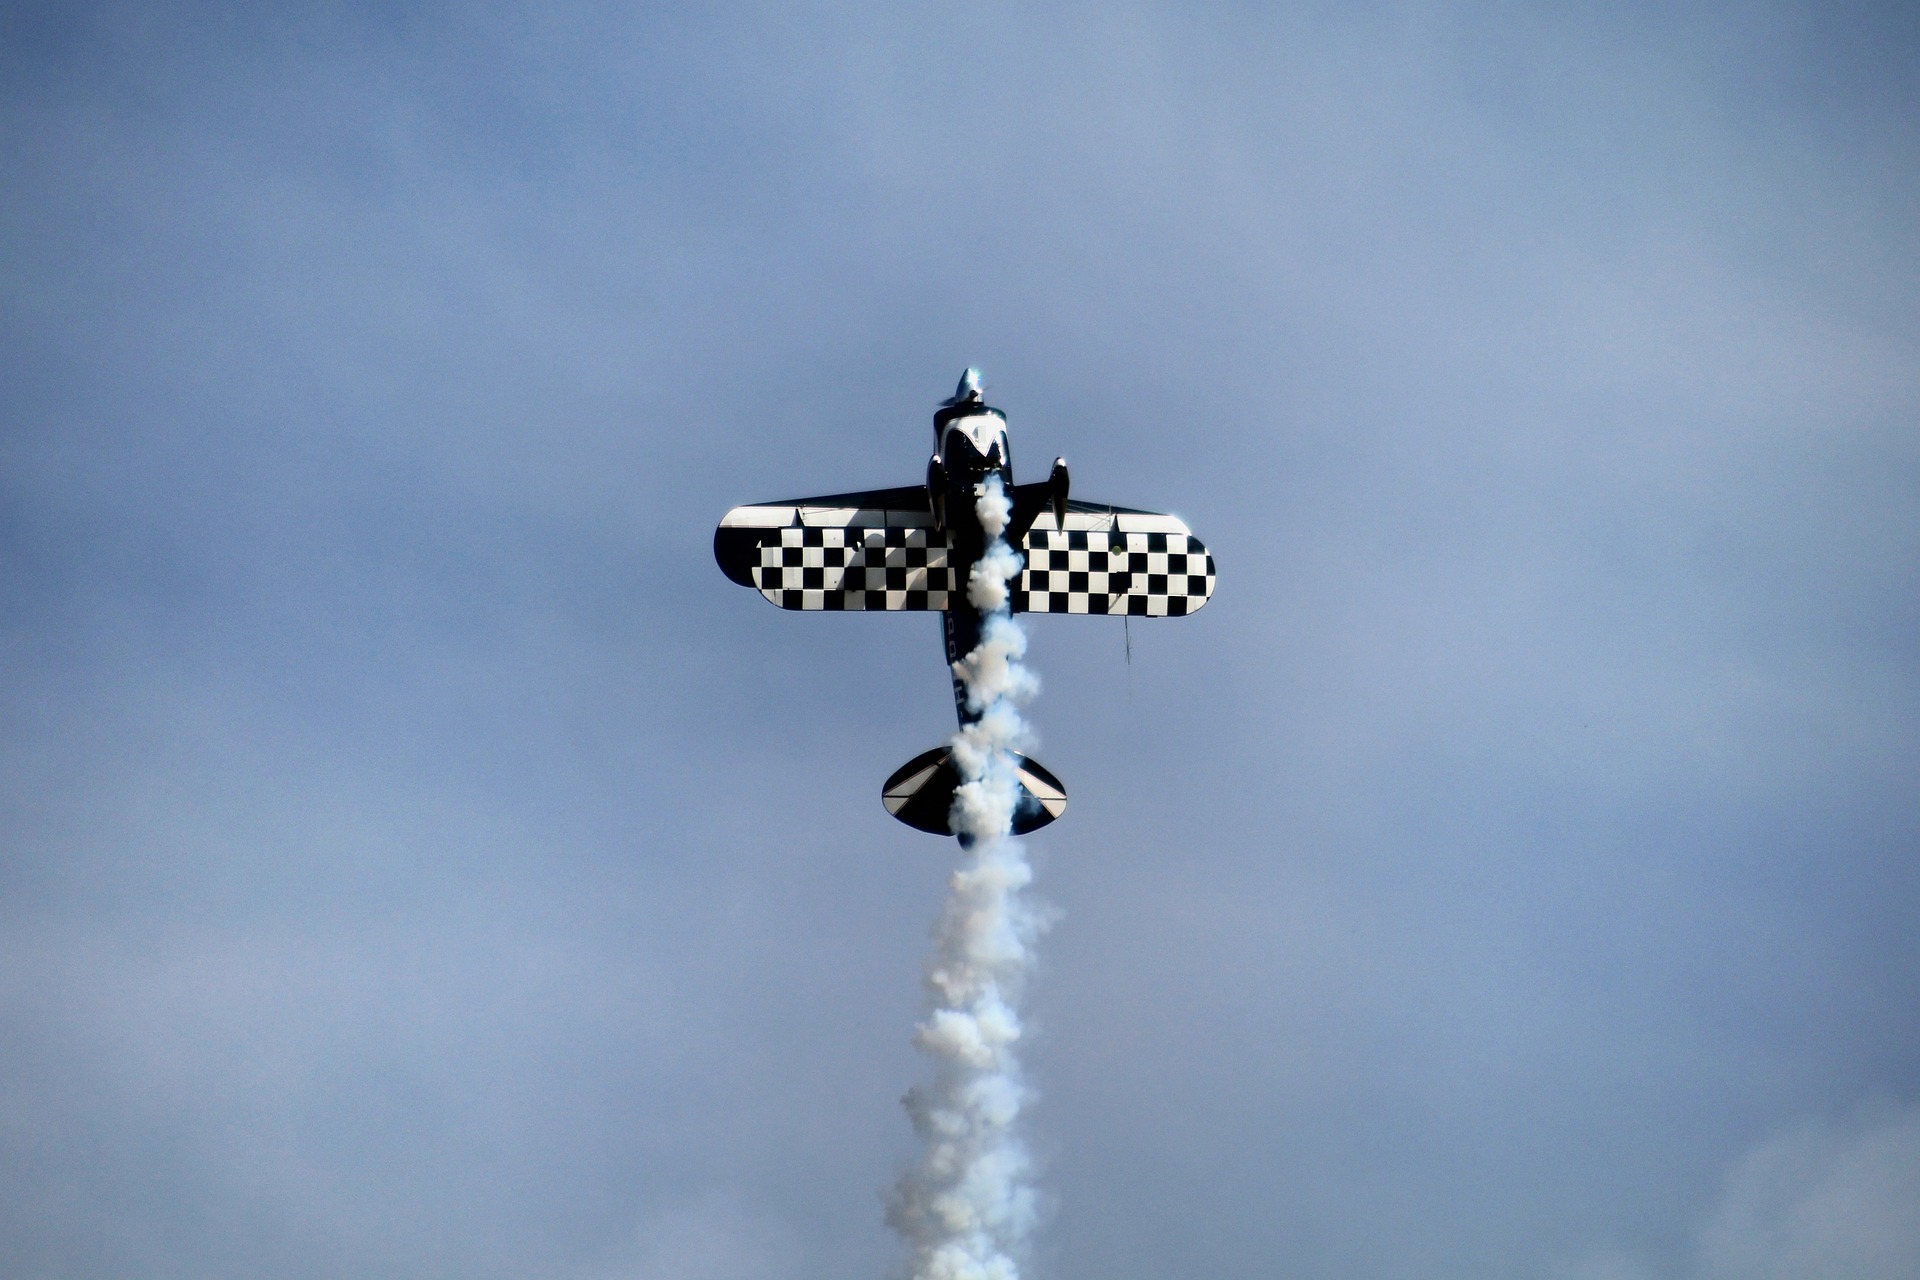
(920, 793)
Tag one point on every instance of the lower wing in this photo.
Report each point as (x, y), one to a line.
(877, 551)
(1113, 560)
(871, 551)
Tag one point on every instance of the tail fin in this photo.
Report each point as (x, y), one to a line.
(920, 793)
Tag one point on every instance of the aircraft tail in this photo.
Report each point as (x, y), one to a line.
(920, 793)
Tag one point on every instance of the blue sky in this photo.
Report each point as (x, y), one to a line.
(418, 860)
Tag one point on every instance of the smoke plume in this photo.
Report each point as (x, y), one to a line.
(967, 1209)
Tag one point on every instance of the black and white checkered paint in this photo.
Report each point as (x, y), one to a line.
(855, 567)
(1144, 574)
(1134, 563)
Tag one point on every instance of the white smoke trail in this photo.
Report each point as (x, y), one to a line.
(968, 1207)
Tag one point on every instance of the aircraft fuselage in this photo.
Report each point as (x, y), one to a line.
(973, 448)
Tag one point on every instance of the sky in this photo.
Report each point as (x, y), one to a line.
(417, 859)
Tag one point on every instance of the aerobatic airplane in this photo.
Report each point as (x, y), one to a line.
(913, 548)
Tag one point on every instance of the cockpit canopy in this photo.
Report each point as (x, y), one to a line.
(973, 437)
(971, 434)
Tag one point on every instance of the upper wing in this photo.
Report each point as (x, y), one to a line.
(872, 550)
(1113, 560)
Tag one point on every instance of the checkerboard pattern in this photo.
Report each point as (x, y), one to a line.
(1143, 575)
(854, 568)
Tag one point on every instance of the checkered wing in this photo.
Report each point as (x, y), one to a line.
(854, 551)
(1109, 560)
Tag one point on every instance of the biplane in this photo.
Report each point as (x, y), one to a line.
(912, 548)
